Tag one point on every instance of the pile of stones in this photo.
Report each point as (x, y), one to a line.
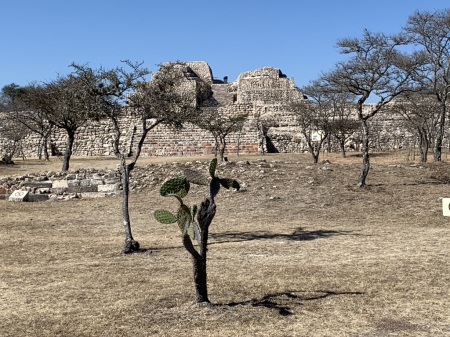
(93, 183)
(60, 185)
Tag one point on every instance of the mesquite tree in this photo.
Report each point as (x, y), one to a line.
(13, 134)
(430, 31)
(221, 124)
(377, 68)
(313, 122)
(65, 103)
(170, 98)
(194, 221)
(11, 129)
(421, 114)
(17, 100)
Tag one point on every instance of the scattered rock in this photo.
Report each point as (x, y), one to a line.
(19, 196)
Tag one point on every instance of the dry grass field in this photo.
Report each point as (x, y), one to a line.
(300, 251)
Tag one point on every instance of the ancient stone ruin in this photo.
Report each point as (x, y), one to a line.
(262, 93)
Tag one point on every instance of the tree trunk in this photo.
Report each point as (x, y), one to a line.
(342, 144)
(39, 149)
(366, 159)
(222, 149)
(440, 136)
(45, 148)
(315, 157)
(130, 245)
(423, 145)
(69, 146)
(314, 149)
(329, 144)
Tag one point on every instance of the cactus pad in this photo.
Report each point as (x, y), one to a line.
(229, 183)
(196, 177)
(164, 217)
(184, 218)
(176, 186)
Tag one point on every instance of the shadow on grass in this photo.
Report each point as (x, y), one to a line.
(283, 301)
(299, 234)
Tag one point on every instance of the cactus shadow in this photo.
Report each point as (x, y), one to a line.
(299, 234)
(284, 301)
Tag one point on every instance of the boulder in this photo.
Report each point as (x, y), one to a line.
(19, 196)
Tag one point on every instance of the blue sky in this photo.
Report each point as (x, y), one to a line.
(40, 38)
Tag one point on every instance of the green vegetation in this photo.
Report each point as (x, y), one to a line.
(194, 221)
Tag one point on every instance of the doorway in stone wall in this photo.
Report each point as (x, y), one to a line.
(270, 146)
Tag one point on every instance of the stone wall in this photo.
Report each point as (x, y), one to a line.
(266, 86)
(263, 94)
(256, 93)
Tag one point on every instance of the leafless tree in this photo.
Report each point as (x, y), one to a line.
(10, 130)
(420, 112)
(376, 68)
(337, 112)
(170, 98)
(15, 99)
(12, 134)
(66, 104)
(37, 123)
(430, 31)
(221, 125)
(343, 122)
(313, 118)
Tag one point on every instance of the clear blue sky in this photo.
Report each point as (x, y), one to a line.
(40, 38)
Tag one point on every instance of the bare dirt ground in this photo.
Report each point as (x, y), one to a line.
(300, 251)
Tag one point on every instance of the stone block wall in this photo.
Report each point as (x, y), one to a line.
(266, 86)
(263, 94)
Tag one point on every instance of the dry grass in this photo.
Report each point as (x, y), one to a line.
(300, 252)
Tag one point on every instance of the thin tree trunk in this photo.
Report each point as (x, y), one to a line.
(329, 144)
(366, 159)
(68, 152)
(130, 245)
(342, 144)
(39, 149)
(222, 149)
(423, 145)
(315, 157)
(439, 136)
(45, 148)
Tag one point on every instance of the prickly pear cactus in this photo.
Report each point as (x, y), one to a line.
(216, 182)
(175, 187)
(229, 183)
(165, 217)
(196, 177)
(179, 187)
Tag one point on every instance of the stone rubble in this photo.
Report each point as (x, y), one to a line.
(91, 183)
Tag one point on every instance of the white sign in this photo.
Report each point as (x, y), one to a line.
(446, 206)
(316, 136)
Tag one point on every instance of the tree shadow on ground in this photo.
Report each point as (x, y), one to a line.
(299, 234)
(283, 301)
